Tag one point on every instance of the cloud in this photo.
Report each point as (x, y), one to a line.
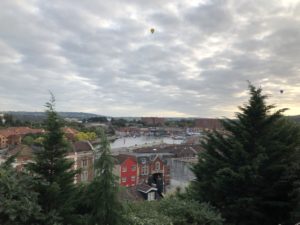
(101, 57)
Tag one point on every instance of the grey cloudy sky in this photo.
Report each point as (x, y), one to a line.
(100, 57)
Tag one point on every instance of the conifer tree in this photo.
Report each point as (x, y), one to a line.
(103, 202)
(54, 173)
(248, 172)
(18, 200)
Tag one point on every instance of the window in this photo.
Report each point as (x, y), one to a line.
(84, 163)
(157, 166)
(133, 178)
(151, 196)
(133, 168)
(84, 176)
(124, 169)
(144, 170)
(124, 179)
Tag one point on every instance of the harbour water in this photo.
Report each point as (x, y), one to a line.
(126, 142)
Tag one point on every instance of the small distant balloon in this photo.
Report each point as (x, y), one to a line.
(152, 30)
(281, 91)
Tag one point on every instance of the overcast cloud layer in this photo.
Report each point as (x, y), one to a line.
(100, 56)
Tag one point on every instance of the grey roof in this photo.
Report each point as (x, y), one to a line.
(82, 146)
(145, 188)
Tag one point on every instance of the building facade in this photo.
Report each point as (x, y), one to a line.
(126, 168)
(3, 141)
(83, 156)
(137, 169)
(12, 136)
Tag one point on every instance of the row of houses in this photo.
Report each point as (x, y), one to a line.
(144, 173)
(80, 152)
(13, 135)
(138, 169)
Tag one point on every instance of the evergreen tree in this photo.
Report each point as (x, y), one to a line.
(18, 202)
(54, 173)
(105, 208)
(248, 173)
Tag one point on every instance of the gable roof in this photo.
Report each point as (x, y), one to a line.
(156, 158)
(145, 188)
(69, 130)
(82, 146)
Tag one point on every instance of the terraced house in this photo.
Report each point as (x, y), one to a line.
(136, 169)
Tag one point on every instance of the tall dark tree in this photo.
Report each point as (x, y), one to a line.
(105, 208)
(249, 172)
(54, 173)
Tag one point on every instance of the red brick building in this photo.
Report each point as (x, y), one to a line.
(126, 168)
(13, 135)
(153, 170)
(142, 168)
(211, 124)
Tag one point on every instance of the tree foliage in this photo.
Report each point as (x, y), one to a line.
(86, 136)
(18, 201)
(145, 213)
(172, 211)
(105, 208)
(249, 173)
(184, 212)
(55, 177)
(28, 140)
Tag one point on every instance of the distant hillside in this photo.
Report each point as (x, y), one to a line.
(295, 118)
(39, 116)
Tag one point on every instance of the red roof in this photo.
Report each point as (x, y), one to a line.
(20, 131)
(69, 130)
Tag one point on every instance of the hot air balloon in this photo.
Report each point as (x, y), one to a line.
(281, 91)
(152, 30)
